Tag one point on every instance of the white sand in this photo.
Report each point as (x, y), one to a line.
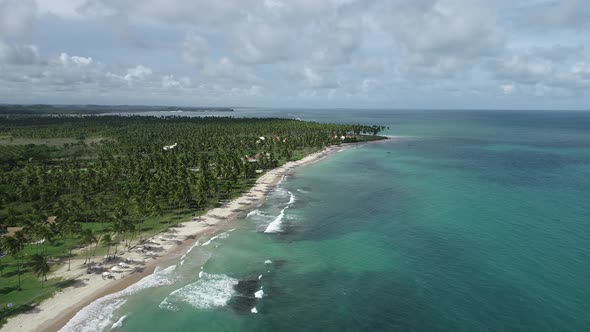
(56, 311)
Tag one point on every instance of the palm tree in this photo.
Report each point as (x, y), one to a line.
(69, 228)
(88, 239)
(42, 234)
(13, 245)
(107, 241)
(40, 267)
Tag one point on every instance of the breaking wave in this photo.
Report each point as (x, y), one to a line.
(276, 225)
(99, 314)
(211, 290)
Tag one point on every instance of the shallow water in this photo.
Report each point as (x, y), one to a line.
(477, 221)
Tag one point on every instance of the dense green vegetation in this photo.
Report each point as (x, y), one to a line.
(110, 179)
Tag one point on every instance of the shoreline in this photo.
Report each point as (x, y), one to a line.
(55, 312)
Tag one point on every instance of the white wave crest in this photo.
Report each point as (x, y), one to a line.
(259, 294)
(221, 236)
(119, 323)
(255, 212)
(292, 198)
(99, 314)
(212, 290)
(275, 225)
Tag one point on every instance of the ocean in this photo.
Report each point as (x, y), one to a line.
(471, 221)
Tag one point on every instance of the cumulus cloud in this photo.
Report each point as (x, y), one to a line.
(321, 51)
(138, 72)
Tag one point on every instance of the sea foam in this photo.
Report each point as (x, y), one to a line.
(292, 198)
(211, 290)
(99, 314)
(259, 294)
(253, 213)
(221, 236)
(119, 323)
(275, 225)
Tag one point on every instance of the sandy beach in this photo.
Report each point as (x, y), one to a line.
(136, 262)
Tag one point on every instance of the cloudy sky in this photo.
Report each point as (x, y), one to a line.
(298, 53)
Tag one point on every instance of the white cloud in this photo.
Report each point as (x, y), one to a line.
(319, 51)
(67, 60)
(138, 73)
(443, 37)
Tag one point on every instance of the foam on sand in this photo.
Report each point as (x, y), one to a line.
(99, 314)
(190, 249)
(255, 212)
(210, 291)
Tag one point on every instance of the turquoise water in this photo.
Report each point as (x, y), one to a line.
(475, 221)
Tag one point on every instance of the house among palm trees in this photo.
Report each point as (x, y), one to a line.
(10, 231)
(51, 220)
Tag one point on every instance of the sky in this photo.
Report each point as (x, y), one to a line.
(464, 54)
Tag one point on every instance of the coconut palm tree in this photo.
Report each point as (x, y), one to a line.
(40, 267)
(13, 245)
(88, 238)
(70, 227)
(107, 241)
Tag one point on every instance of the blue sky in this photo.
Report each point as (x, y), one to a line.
(298, 53)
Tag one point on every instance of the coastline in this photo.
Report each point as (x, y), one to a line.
(168, 246)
